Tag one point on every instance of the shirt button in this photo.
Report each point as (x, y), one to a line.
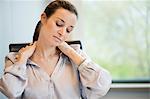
(19, 68)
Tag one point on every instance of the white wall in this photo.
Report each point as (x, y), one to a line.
(17, 23)
(18, 19)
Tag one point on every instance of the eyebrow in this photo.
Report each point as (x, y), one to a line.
(61, 19)
(64, 21)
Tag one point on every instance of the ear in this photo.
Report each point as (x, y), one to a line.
(43, 18)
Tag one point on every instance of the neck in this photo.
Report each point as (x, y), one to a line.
(45, 51)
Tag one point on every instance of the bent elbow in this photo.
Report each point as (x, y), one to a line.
(11, 95)
(105, 82)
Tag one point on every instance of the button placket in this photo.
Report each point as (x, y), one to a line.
(51, 86)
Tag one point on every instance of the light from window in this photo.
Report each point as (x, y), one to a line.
(117, 36)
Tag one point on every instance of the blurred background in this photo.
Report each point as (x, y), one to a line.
(114, 33)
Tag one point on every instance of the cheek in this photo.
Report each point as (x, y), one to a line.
(50, 27)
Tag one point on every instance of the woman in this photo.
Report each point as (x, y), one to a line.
(50, 68)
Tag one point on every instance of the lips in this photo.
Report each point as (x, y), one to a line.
(57, 38)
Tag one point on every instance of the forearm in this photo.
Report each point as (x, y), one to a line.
(75, 57)
(12, 86)
(14, 81)
(71, 53)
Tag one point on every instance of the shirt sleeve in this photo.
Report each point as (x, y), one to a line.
(96, 81)
(14, 80)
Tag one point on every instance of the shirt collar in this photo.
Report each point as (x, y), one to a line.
(30, 62)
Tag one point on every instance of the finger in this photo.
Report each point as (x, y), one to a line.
(17, 56)
(35, 43)
(30, 44)
(22, 49)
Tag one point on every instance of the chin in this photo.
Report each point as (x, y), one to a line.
(56, 43)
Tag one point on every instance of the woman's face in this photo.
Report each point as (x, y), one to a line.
(57, 27)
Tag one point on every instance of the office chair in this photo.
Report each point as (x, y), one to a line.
(15, 47)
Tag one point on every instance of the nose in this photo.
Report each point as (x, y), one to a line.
(62, 31)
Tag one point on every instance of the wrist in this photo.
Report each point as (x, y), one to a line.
(76, 57)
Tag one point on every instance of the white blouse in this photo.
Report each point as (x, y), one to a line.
(68, 81)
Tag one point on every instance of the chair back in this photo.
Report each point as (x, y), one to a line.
(15, 47)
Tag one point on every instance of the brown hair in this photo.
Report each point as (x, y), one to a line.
(51, 9)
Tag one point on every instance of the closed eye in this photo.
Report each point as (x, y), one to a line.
(69, 29)
(59, 23)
